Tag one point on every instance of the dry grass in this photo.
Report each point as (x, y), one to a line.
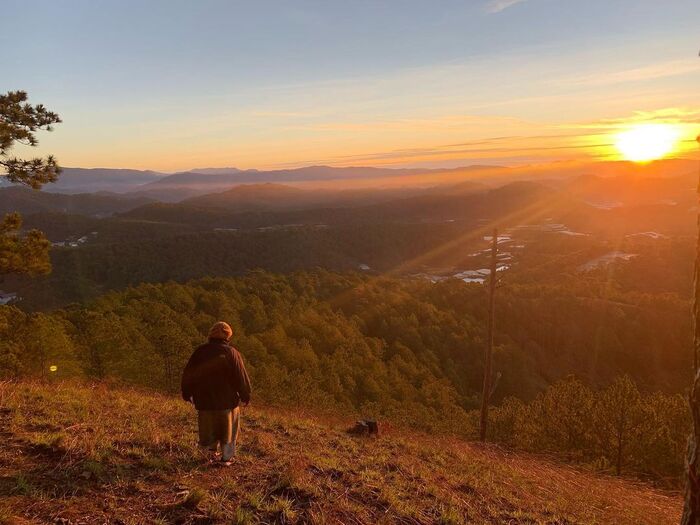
(76, 454)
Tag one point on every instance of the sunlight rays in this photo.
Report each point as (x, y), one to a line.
(540, 209)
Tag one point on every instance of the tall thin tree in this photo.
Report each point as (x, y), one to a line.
(488, 350)
(691, 508)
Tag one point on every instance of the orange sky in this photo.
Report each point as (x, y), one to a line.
(484, 82)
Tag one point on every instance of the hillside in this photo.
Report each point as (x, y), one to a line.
(247, 197)
(515, 201)
(193, 183)
(629, 190)
(25, 200)
(93, 454)
(270, 196)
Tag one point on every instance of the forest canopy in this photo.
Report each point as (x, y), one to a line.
(406, 350)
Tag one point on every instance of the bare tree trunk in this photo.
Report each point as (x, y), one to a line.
(488, 351)
(691, 507)
(619, 455)
(168, 369)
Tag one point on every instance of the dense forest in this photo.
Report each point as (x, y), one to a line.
(84, 273)
(406, 350)
(120, 253)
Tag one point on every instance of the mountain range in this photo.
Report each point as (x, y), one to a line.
(225, 192)
(193, 183)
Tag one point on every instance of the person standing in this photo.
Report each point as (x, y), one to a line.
(216, 381)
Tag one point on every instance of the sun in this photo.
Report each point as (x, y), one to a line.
(647, 142)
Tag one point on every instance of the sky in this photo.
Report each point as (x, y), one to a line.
(172, 85)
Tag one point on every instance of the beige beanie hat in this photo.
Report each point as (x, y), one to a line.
(220, 330)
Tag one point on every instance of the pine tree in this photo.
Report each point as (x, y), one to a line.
(19, 121)
(618, 420)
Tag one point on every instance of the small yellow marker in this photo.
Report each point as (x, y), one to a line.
(53, 368)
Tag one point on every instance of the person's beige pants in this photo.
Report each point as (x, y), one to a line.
(219, 427)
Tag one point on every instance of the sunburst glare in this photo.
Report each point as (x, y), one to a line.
(647, 142)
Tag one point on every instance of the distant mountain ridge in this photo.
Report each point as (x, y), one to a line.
(254, 206)
(271, 196)
(217, 171)
(193, 183)
(187, 184)
(91, 180)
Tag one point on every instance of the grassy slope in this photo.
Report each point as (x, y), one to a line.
(76, 454)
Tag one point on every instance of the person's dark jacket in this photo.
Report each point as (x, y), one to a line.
(215, 377)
